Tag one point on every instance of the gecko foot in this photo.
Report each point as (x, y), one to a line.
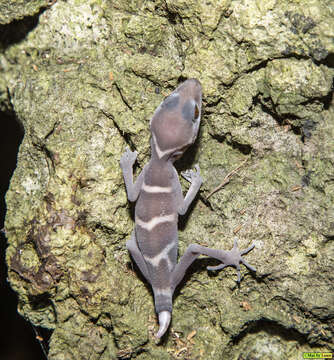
(233, 258)
(193, 176)
(128, 158)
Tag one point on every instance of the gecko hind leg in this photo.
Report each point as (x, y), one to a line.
(164, 316)
(137, 256)
(228, 258)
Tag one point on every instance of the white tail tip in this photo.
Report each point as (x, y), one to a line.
(164, 320)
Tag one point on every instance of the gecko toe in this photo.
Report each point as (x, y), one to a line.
(214, 268)
(243, 252)
(248, 266)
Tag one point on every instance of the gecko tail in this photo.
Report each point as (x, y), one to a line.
(164, 321)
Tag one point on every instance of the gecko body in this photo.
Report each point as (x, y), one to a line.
(159, 200)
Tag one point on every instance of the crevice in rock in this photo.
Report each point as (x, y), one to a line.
(329, 237)
(51, 131)
(245, 149)
(17, 30)
(122, 97)
(41, 301)
(212, 104)
(171, 17)
(146, 77)
(325, 100)
(218, 137)
(181, 79)
(281, 120)
(48, 155)
(329, 60)
(258, 66)
(206, 202)
(288, 53)
(308, 125)
(272, 328)
(103, 228)
(123, 134)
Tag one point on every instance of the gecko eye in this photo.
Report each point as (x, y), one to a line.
(190, 111)
(196, 113)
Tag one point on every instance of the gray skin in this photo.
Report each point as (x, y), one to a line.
(157, 190)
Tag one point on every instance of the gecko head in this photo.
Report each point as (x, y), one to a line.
(175, 123)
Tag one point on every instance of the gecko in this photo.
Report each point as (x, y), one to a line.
(159, 201)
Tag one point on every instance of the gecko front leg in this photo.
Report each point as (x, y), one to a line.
(228, 258)
(194, 177)
(127, 160)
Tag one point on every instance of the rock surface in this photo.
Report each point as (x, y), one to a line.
(84, 81)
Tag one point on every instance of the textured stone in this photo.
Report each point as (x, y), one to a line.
(84, 82)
